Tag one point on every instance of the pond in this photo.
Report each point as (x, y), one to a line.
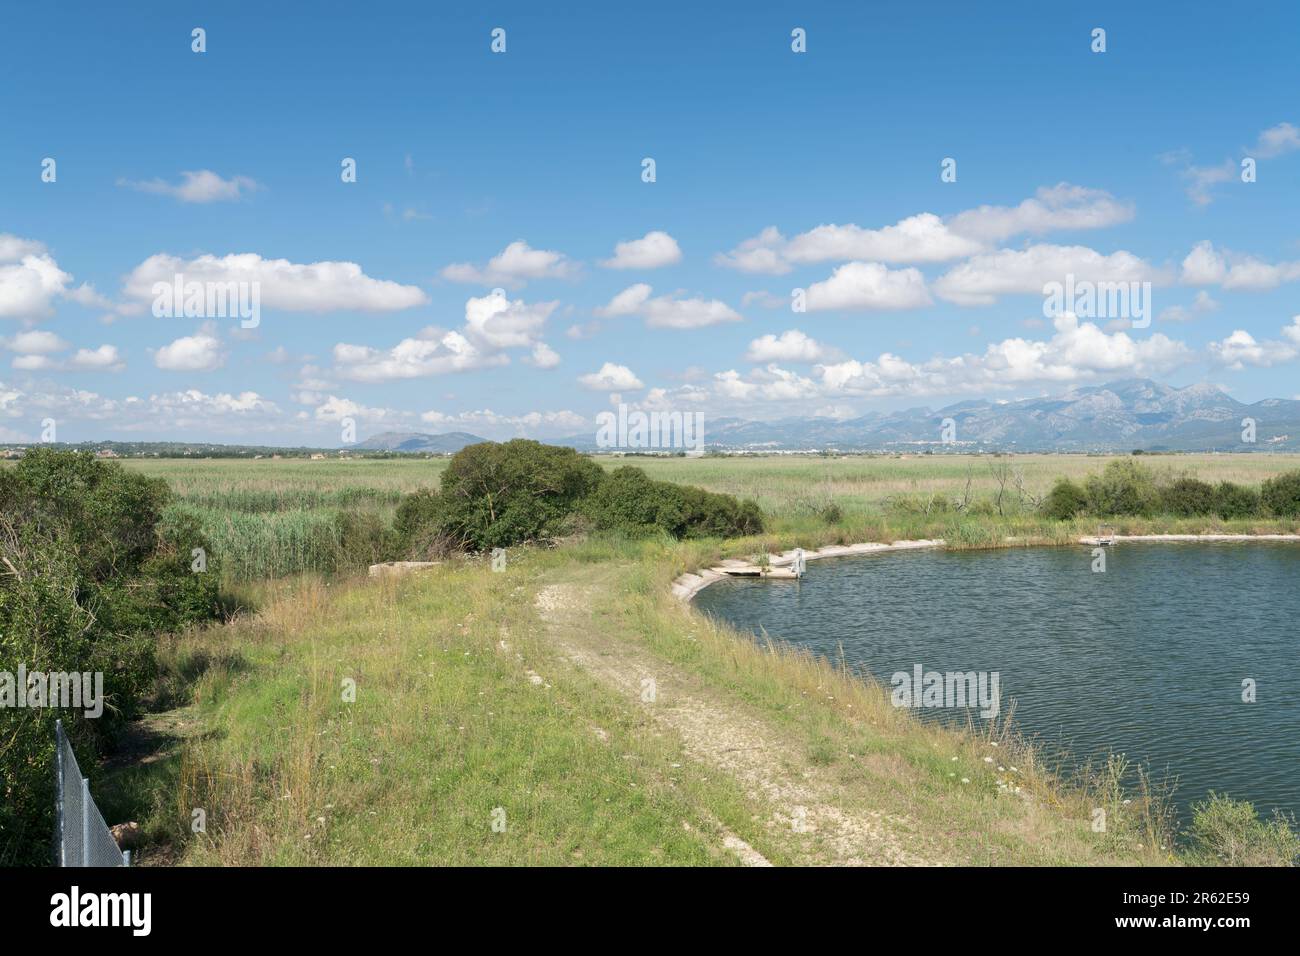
(1150, 657)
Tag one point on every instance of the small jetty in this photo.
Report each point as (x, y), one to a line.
(786, 567)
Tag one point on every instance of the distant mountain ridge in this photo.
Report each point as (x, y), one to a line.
(1121, 416)
(444, 444)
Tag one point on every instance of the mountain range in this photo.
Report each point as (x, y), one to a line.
(1121, 416)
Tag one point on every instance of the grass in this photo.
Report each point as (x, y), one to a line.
(467, 708)
(277, 517)
(449, 724)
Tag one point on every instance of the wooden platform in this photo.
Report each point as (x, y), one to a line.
(754, 571)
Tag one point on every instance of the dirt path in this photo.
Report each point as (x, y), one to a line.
(723, 733)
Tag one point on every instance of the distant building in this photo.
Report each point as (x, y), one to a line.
(317, 456)
(106, 453)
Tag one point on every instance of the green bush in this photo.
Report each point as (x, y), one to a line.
(1065, 501)
(1125, 487)
(630, 502)
(1281, 495)
(496, 495)
(89, 572)
(1188, 498)
(1235, 501)
(1230, 832)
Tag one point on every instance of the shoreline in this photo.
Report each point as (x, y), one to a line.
(686, 586)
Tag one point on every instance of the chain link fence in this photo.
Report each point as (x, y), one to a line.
(83, 838)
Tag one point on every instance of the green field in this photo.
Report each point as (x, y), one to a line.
(502, 718)
(271, 518)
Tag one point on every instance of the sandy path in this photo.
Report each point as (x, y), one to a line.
(722, 734)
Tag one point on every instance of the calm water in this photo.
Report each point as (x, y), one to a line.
(1146, 659)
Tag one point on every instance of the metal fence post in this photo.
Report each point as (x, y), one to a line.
(58, 792)
(85, 821)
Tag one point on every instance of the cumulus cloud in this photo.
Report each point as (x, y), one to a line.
(201, 352)
(294, 287)
(104, 358)
(493, 324)
(868, 286)
(653, 250)
(544, 356)
(30, 279)
(513, 267)
(176, 412)
(1052, 208)
(198, 186)
(1205, 265)
(485, 420)
(790, 346)
(981, 279)
(1241, 349)
(34, 342)
(927, 238)
(611, 378)
(1078, 351)
(667, 312)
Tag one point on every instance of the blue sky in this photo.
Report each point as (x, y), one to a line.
(522, 171)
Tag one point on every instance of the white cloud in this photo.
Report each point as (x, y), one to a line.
(199, 186)
(611, 378)
(291, 286)
(922, 238)
(654, 250)
(104, 358)
(544, 356)
(1203, 303)
(868, 285)
(1241, 349)
(666, 312)
(1205, 265)
(200, 352)
(563, 422)
(926, 238)
(790, 346)
(493, 324)
(30, 279)
(34, 342)
(980, 280)
(761, 254)
(1060, 207)
(1078, 351)
(335, 409)
(1276, 141)
(514, 266)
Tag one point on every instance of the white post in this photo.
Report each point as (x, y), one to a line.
(85, 821)
(58, 794)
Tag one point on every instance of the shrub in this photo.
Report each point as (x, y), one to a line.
(1065, 501)
(1188, 498)
(89, 571)
(1125, 487)
(496, 495)
(1230, 832)
(831, 513)
(1281, 495)
(630, 502)
(1235, 501)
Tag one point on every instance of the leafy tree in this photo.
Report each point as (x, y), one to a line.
(92, 565)
(1281, 495)
(1065, 501)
